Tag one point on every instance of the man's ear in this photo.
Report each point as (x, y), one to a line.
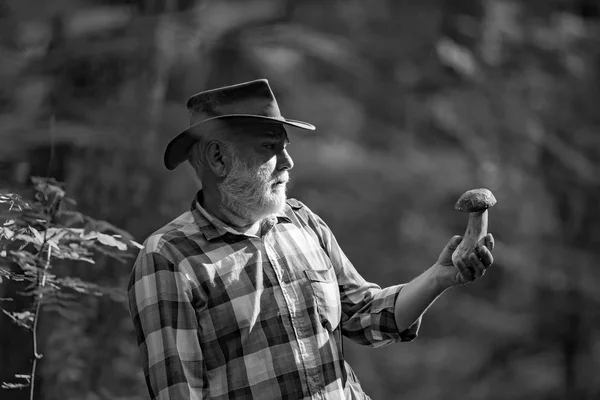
(215, 158)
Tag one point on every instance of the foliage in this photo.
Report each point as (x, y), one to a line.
(415, 102)
(33, 236)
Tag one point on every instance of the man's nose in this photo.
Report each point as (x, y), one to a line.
(285, 160)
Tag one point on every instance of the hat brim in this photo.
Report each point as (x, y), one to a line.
(177, 150)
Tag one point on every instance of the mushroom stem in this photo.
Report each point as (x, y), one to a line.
(477, 225)
(476, 229)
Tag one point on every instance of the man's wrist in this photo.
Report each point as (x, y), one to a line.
(441, 277)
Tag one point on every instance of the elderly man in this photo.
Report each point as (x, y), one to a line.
(247, 295)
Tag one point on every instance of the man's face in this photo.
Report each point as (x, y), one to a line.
(256, 184)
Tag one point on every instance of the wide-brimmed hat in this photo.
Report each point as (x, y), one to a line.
(249, 100)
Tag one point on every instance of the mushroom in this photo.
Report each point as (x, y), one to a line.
(475, 202)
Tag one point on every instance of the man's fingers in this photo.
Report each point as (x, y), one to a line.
(488, 241)
(476, 266)
(454, 242)
(464, 270)
(485, 255)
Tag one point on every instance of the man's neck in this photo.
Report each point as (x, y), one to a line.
(212, 202)
(242, 224)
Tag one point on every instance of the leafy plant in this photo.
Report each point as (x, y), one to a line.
(34, 235)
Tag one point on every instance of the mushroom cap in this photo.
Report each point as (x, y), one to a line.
(475, 200)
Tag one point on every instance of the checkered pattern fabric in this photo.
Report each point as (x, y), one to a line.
(220, 314)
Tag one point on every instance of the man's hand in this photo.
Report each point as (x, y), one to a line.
(469, 268)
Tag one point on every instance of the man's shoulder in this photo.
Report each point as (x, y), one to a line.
(161, 251)
(300, 210)
(180, 227)
(304, 218)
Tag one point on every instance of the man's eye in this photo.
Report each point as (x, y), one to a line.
(270, 146)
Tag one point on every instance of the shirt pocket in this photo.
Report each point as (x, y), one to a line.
(326, 293)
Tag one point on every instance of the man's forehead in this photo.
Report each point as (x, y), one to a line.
(276, 132)
(263, 131)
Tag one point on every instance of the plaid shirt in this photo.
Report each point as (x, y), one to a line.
(220, 314)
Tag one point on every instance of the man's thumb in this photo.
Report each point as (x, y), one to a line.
(454, 242)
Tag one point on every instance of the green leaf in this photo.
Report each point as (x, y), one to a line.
(53, 245)
(15, 201)
(23, 376)
(23, 319)
(56, 234)
(77, 257)
(109, 240)
(28, 239)
(8, 385)
(38, 236)
(7, 233)
(136, 244)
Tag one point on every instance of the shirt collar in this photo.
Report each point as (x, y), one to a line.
(214, 228)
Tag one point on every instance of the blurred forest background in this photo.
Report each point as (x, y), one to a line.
(414, 102)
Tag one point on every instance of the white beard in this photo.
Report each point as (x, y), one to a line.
(250, 193)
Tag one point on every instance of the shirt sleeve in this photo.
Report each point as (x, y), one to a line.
(160, 304)
(367, 309)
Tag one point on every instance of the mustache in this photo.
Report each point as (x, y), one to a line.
(284, 177)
